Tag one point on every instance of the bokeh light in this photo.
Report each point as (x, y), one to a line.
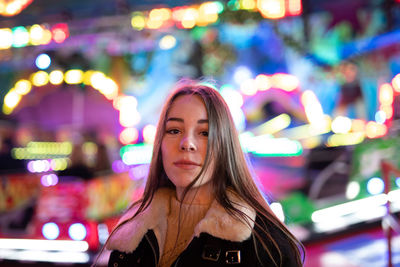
(352, 190)
(167, 42)
(50, 230)
(241, 74)
(375, 186)
(129, 135)
(56, 77)
(43, 61)
(77, 231)
(149, 133)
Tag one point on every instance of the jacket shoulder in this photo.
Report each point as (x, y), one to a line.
(276, 238)
(146, 254)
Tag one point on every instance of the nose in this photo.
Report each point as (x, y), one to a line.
(187, 144)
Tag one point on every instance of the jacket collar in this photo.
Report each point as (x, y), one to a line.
(217, 222)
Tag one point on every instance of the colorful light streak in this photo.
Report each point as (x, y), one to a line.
(44, 245)
(35, 35)
(96, 79)
(12, 8)
(267, 146)
(343, 215)
(136, 154)
(274, 125)
(345, 139)
(312, 107)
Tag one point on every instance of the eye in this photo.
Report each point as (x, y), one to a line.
(204, 133)
(173, 131)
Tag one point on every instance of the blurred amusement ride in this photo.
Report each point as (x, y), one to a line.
(78, 126)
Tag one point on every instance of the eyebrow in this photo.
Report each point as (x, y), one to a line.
(181, 120)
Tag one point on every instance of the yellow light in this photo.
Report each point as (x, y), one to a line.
(97, 79)
(312, 107)
(166, 13)
(341, 124)
(248, 4)
(274, 125)
(149, 133)
(128, 136)
(285, 81)
(271, 9)
(374, 130)
(138, 21)
(47, 36)
(23, 87)
(56, 77)
(248, 87)
(161, 14)
(87, 76)
(345, 139)
(155, 14)
(6, 38)
(129, 119)
(36, 33)
(74, 76)
(388, 109)
(263, 82)
(189, 18)
(12, 8)
(311, 142)
(395, 83)
(167, 42)
(40, 78)
(89, 148)
(208, 13)
(109, 89)
(12, 99)
(307, 130)
(154, 24)
(386, 94)
(7, 110)
(358, 125)
(125, 102)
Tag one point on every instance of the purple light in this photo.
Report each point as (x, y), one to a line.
(139, 172)
(30, 167)
(49, 180)
(119, 166)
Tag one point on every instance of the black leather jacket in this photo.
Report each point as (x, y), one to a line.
(218, 240)
(207, 250)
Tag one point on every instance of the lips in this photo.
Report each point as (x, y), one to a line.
(186, 164)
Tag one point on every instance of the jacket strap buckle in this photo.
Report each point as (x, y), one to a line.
(211, 253)
(232, 257)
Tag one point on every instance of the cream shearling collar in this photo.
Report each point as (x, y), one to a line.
(217, 222)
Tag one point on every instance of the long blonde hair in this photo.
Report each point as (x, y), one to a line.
(230, 172)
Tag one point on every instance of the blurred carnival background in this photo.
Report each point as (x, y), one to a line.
(313, 86)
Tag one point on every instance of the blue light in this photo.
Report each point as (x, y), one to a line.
(375, 186)
(380, 117)
(398, 181)
(77, 231)
(43, 61)
(50, 231)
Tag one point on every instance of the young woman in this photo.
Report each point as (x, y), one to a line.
(200, 206)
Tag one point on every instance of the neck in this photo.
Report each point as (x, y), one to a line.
(196, 195)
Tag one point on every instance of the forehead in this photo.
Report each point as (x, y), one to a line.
(187, 106)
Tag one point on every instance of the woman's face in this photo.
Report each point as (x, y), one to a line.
(184, 144)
